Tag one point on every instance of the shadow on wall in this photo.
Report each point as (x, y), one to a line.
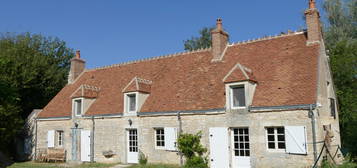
(4, 160)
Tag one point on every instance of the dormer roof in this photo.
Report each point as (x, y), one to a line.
(138, 85)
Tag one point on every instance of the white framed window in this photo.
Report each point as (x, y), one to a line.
(241, 142)
(60, 136)
(160, 138)
(275, 138)
(78, 106)
(237, 96)
(131, 102)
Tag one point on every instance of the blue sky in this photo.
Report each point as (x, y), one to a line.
(112, 31)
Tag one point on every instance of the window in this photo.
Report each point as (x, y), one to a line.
(333, 108)
(237, 96)
(241, 142)
(275, 138)
(60, 138)
(78, 107)
(160, 137)
(131, 100)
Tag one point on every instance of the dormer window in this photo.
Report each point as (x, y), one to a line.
(237, 96)
(78, 106)
(131, 102)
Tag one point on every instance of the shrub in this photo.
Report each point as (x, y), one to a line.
(143, 160)
(190, 146)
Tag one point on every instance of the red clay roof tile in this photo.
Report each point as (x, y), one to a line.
(284, 67)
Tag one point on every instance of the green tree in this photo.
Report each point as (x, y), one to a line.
(204, 41)
(33, 68)
(190, 146)
(341, 41)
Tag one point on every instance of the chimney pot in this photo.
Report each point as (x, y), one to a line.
(312, 4)
(78, 54)
(219, 24)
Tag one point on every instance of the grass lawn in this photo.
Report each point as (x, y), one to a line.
(60, 165)
(154, 166)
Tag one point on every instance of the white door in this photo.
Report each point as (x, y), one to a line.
(170, 134)
(85, 145)
(241, 148)
(51, 138)
(219, 150)
(133, 154)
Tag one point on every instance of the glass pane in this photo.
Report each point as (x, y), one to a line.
(271, 145)
(246, 138)
(236, 153)
(240, 131)
(241, 145)
(246, 146)
(247, 153)
(281, 145)
(270, 130)
(240, 138)
(132, 102)
(270, 137)
(281, 138)
(238, 96)
(79, 107)
(241, 152)
(280, 130)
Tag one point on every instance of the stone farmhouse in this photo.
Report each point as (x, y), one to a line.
(268, 102)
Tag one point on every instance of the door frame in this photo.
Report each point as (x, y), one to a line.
(233, 147)
(81, 145)
(127, 131)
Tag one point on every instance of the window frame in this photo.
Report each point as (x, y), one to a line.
(161, 140)
(127, 102)
(332, 102)
(231, 101)
(74, 106)
(60, 138)
(276, 141)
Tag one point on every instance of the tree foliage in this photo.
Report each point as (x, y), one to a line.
(190, 146)
(203, 41)
(33, 68)
(341, 41)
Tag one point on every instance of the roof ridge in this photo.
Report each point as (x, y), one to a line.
(268, 37)
(150, 58)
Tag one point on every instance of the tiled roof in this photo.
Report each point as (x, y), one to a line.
(284, 67)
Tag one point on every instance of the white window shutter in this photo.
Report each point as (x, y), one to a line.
(51, 138)
(219, 147)
(170, 138)
(295, 139)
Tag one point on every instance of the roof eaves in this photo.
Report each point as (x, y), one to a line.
(282, 108)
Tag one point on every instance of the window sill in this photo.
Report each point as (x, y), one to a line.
(276, 150)
(160, 148)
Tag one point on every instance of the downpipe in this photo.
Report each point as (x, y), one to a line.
(313, 125)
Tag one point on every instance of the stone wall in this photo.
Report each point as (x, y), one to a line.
(110, 134)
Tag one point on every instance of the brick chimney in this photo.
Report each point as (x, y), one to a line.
(219, 41)
(77, 67)
(313, 23)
